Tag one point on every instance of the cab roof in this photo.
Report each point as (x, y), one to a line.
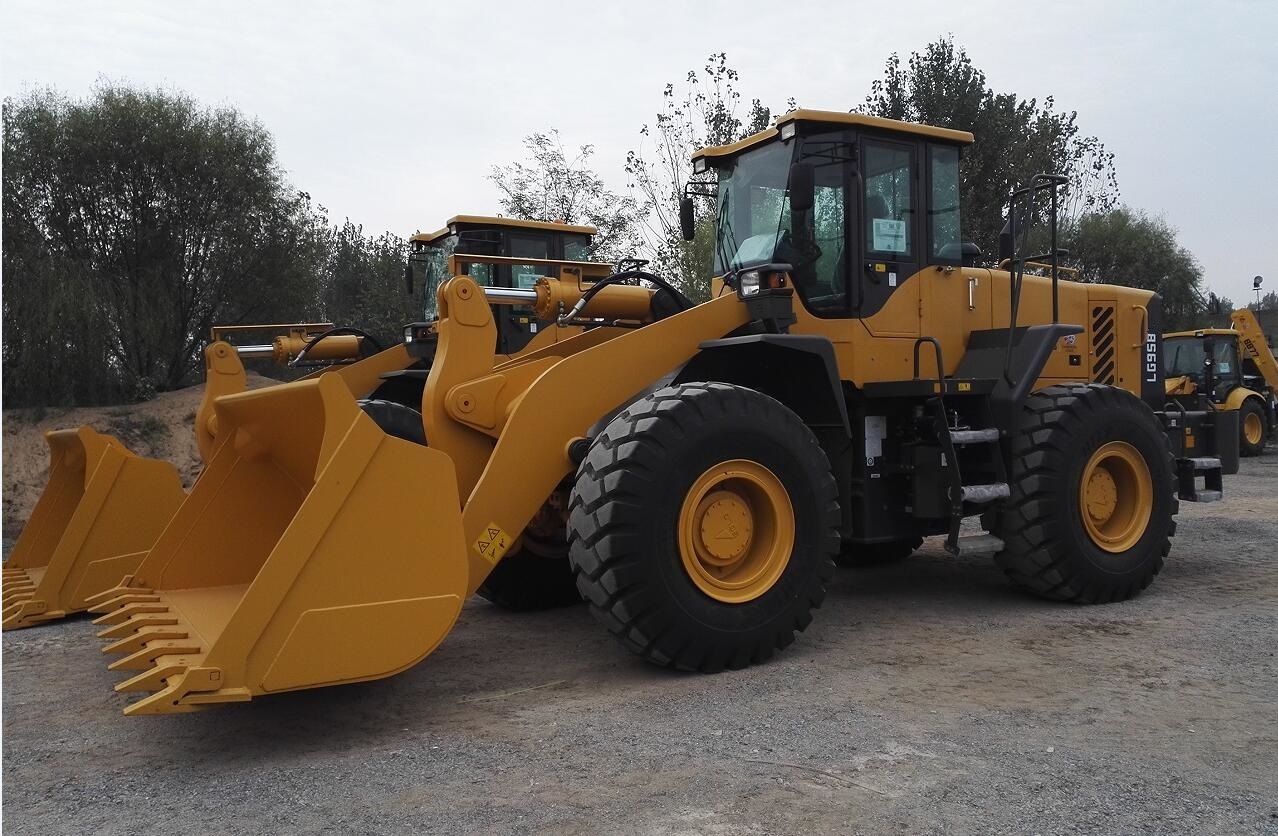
(513, 223)
(834, 117)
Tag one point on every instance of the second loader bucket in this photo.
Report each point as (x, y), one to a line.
(101, 510)
(314, 550)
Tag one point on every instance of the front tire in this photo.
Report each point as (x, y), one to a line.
(1092, 506)
(702, 526)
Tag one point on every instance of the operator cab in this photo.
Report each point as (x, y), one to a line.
(1187, 354)
(854, 204)
(503, 237)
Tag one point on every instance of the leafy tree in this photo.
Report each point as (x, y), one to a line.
(1128, 247)
(549, 186)
(1268, 302)
(362, 283)
(1015, 138)
(699, 112)
(148, 218)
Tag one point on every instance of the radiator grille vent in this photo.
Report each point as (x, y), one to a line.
(1103, 344)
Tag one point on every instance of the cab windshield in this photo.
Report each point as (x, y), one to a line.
(1185, 356)
(756, 225)
(430, 266)
(752, 209)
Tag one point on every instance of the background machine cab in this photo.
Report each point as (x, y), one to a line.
(505, 241)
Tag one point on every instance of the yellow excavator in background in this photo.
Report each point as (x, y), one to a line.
(854, 383)
(1234, 368)
(104, 506)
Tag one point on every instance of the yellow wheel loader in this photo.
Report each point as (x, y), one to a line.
(854, 381)
(104, 506)
(1232, 369)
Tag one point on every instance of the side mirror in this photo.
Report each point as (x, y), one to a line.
(408, 278)
(1213, 304)
(687, 219)
(1005, 242)
(802, 187)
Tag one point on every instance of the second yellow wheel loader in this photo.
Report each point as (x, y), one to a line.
(855, 381)
(104, 506)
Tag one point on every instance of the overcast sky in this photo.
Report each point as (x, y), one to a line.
(393, 113)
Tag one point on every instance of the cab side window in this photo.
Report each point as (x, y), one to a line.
(889, 205)
(814, 244)
(943, 211)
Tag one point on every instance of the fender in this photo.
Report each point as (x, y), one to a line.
(799, 370)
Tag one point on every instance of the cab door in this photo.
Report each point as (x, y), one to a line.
(887, 295)
(957, 300)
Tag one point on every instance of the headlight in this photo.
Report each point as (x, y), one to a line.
(748, 283)
(408, 333)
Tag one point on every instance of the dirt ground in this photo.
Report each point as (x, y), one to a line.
(927, 697)
(161, 428)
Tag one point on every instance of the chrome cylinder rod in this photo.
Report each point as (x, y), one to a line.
(509, 296)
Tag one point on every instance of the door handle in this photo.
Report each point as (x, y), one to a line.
(972, 283)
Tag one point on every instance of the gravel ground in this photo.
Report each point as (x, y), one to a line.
(927, 697)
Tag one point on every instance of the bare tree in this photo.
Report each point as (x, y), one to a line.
(552, 186)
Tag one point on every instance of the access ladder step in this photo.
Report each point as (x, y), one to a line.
(1188, 471)
(974, 436)
(973, 545)
(986, 493)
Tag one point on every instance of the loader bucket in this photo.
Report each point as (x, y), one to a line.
(101, 510)
(314, 550)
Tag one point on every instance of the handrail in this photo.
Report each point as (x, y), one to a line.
(940, 365)
(1038, 183)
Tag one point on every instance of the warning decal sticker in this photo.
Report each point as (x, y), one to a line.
(493, 542)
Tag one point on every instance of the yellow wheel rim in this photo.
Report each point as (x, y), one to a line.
(1253, 428)
(1116, 497)
(736, 531)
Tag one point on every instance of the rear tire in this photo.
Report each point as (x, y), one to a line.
(860, 555)
(1051, 549)
(763, 503)
(1252, 428)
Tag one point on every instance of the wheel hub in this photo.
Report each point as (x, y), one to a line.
(727, 526)
(1116, 496)
(1102, 495)
(1253, 429)
(736, 531)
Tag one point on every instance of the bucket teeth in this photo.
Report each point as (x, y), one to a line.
(17, 596)
(18, 586)
(155, 679)
(132, 596)
(128, 611)
(144, 658)
(137, 622)
(138, 641)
